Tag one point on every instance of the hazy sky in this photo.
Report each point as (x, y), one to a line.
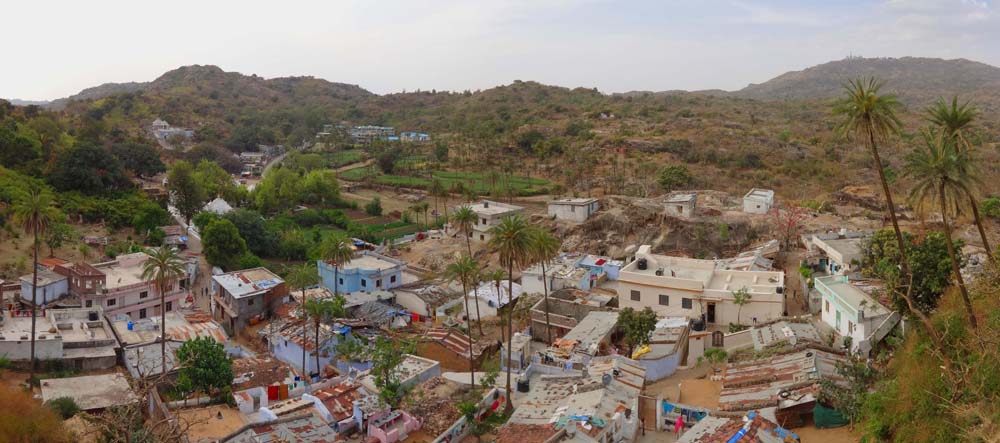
(54, 49)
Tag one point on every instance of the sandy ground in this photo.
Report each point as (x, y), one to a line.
(205, 424)
(842, 434)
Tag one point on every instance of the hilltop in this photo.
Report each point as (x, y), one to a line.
(916, 80)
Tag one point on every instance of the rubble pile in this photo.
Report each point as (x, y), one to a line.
(435, 407)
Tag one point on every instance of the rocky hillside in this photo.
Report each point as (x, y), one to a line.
(916, 80)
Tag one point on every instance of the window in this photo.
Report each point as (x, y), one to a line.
(89, 303)
(144, 294)
(142, 313)
(112, 301)
(250, 302)
(850, 327)
(664, 300)
(364, 283)
(686, 303)
(826, 305)
(484, 221)
(378, 283)
(170, 306)
(482, 237)
(838, 321)
(572, 209)
(340, 281)
(635, 296)
(392, 279)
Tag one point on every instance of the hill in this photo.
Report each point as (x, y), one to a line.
(916, 80)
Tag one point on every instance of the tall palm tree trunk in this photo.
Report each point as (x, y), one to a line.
(472, 370)
(545, 290)
(305, 338)
(336, 280)
(163, 328)
(319, 370)
(890, 206)
(468, 241)
(509, 407)
(982, 232)
(954, 259)
(34, 304)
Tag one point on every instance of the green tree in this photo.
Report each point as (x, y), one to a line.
(261, 239)
(204, 366)
(544, 248)
(337, 250)
(58, 233)
(955, 121)
(673, 177)
(187, 195)
(927, 257)
(476, 427)
(222, 244)
(636, 326)
(464, 219)
(374, 207)
(214, 180)
(941, 172)
(280, 189)
(512, 239)
(164, 267)
(466, 271)
(386, 354)
(64, 406)
(142, 159)
(741, 297)
(89, 169)
(302, 277)
(148, 215)
(848, 396)
(320, 187)
(34, 211)
(320, 309)
(16, 150)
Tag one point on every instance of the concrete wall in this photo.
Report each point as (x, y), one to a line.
(46, 293)
(412, 303)
(570, 212)
(756, 206)
(353, 280)
(15, 350)
(763, 307)
(661, 367)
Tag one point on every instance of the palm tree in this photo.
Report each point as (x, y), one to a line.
(34, 211)
(495, 276)
(436, 190)
(302, 277)
(466, 271)
(940, 170)
(164, 267)
(424, 207)
(955, 120)
(464, 219)
(545, 247)
(337, 250)
(320, 309)
(869, 116)
(512, 239)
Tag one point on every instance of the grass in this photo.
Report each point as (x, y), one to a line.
(480, 182)
(342, 158)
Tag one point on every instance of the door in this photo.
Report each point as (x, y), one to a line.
(711, 313)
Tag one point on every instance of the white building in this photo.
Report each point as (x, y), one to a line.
(218, 206)
(758, 201)
(681, 204)
(849, 308)
(489, 299)
(837, 253)
(679, 287)
(488, 214)
(570, 270)
(51, 286)
(573, 209)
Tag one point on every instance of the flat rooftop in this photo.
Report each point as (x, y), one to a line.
(781, 332)
(90, 392)
(75, 325)
(126, 270)
(846, 246)
(180, 326)
(760, 194)
(852, 294)
(690, 271)
(19, 329)
(248, 281)
(489, 207)
(591, 330)
(573, 201)
(45, 277)
(681, 197)
(368, 260)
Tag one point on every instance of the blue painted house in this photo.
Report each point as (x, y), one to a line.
(367, 271)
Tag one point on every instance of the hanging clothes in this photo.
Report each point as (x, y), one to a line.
(679, 425)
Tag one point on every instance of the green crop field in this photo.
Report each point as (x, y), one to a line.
(480, 182)
(342, 158)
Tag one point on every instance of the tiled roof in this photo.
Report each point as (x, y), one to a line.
(754, 429)
(306, 429)
(759, 383)
(521, 433)
(454, 340)
(257, 372)
(339, 399)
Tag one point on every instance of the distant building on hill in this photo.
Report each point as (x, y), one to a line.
(242, 297)
(488, 214)
(758, 201)
(573, 209)
(367, 271)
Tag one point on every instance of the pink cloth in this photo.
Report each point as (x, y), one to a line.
(679, 425)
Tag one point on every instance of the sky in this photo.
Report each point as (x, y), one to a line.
(56, 48)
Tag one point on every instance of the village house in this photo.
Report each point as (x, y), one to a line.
(369, 133)
(573, 209)
(489, 299)
(685, 287)
(344, 405)
(590, 337)
(681, 204)
(414, 137)
(753, 427)
(788, 381)
(450, 347)
(598, 407)
(51, 286)
(667, 348)
(758, 201)
(520, 353)
(570, 270)
(91, 393)
(412, 371)
(174, 237)
(782, 333)
(163, 131)
(240, 297)
(367, 271)
(118, 287)
(300, 428)
(852, 311)
(145, 360)
(80, 338)
(488, 214)
(258, 381)
(566, 308)
(286, 338)
(427, 298)
(181, 326)
(836, 253)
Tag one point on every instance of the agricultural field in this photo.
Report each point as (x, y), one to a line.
(481, 183)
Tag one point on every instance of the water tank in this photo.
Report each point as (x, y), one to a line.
(523, 386)
(698, 325)
(130, 325)
(92, 316)
(642, 264)
(659, 272)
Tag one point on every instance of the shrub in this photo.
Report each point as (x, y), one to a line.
(64, 406)
(991, 207)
